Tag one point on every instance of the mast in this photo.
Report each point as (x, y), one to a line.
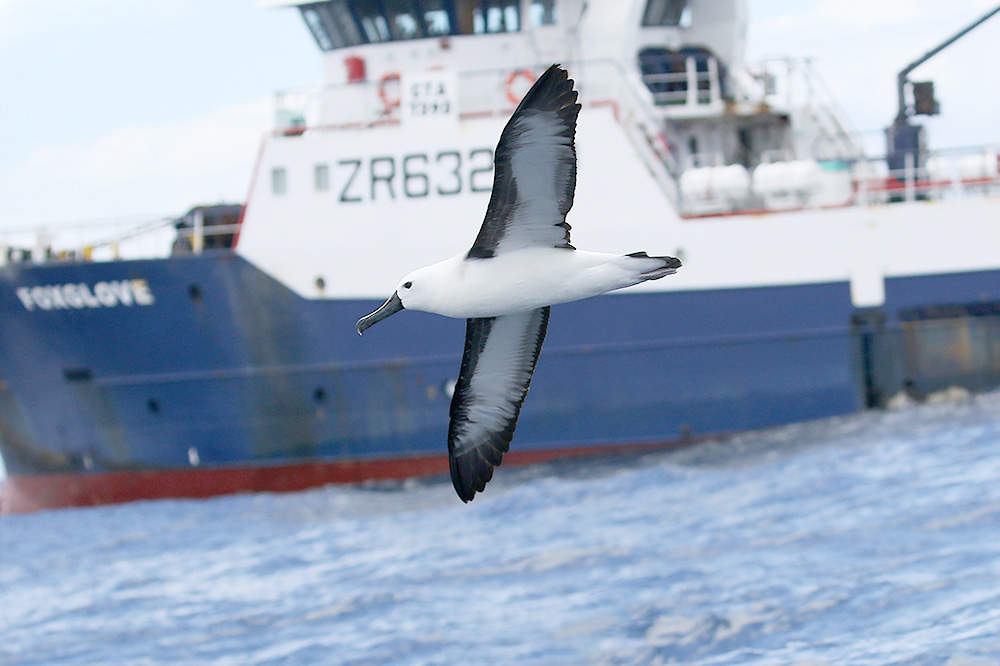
(901, 80)
(905, 143)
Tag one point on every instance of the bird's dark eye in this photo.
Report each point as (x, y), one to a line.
(407, 285)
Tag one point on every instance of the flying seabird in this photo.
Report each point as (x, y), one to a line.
(521, 263)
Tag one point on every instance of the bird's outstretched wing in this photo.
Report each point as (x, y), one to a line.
(534, 173)
(499, 359)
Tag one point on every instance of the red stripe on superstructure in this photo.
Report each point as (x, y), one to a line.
(253, 184)
(24, 494)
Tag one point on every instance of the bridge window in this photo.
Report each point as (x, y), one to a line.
(319, 32)
(497, 16)
(542, 12)
(373, 23)
(335, 24)
(437, 19)
(667, 13)
(404, 21)
(332, 24)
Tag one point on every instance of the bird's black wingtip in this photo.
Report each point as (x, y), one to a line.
(558, 75)
(469, 475)
(552, 91)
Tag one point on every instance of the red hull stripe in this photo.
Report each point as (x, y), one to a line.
(24, 494)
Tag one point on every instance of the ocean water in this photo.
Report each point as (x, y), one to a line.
(870, 539)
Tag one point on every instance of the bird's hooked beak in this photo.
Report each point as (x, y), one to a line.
(391, 306)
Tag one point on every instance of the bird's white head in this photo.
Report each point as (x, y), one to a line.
(416, 291)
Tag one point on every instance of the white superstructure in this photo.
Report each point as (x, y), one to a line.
(749, 173)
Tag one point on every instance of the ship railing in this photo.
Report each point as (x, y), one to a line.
(103, 240)
(114, 240)
(698, 88)
(794, 85)
(195, 240)
(601, 82)
(608, 81)
(945, 174)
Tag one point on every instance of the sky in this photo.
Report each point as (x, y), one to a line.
(115, 109)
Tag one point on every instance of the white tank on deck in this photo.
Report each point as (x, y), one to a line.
(965, 170)
(982, 165)
(939, 169)
(786, 184)
(716, 189)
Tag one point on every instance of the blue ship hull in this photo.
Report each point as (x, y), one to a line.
(229, 371)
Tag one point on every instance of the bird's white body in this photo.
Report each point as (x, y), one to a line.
(518, 281)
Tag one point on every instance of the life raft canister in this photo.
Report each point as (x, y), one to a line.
(390, 101)
(512, 78)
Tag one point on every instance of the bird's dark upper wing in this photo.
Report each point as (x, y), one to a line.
(534, 174)
(499, 359)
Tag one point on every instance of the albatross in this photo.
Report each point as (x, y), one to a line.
(520, 265)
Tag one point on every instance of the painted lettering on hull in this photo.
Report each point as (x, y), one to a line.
(413, 176)
(78, 296)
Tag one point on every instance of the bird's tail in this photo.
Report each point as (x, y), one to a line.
(657, 266)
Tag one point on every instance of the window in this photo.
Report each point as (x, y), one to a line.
(321, 176)
(405, 26)
(436, 18)
(494, 16)
(319, 32)
(373, 24)
(404, 21)
(667, 13)
(340, 16)
(332, 24)
(335, 24)
(278, 184)
(542, 12)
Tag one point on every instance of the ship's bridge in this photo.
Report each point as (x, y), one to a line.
(671, 40)
(683, 56)
(338, 24)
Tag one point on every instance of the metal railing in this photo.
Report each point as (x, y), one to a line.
(101, 240)
(114, 240)
(692, 87)
(795, 84)
(952, 173)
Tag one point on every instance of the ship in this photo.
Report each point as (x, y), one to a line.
(818, 279)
